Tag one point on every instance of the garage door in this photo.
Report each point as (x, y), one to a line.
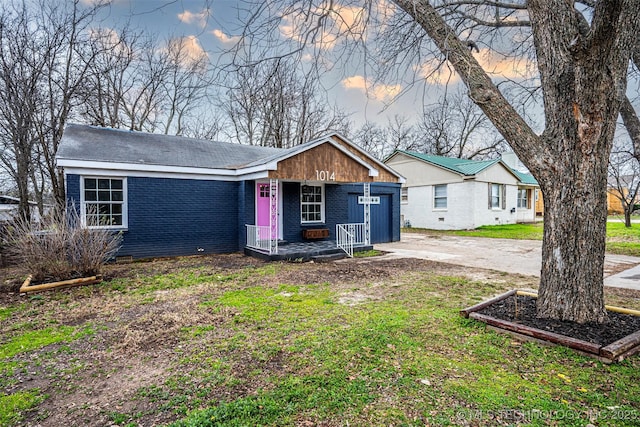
(380, 217)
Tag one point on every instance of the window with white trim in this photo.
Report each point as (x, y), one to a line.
(523, 198)
(496, 196)
(104, 202)
(404, 195)
(311, 203)
(440, 196)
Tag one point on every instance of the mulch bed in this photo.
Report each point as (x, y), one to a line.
(619, 325)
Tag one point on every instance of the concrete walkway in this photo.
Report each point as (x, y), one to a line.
(511, 256)
(629, 279)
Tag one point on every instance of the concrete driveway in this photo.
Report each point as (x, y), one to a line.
(512, 256)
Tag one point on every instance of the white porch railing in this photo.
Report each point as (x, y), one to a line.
(350, 235)
(259, 238)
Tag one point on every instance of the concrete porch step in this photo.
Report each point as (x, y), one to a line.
(329, 257)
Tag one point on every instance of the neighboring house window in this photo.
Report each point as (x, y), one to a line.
(404, 195)
(497, 196)
(103, 202)
(311, 203)
(440, 196)
(523, 198)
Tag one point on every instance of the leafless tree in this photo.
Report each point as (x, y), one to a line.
(373, 138)
(186, 85)
(23, 64)
(401, 135)
(44, 66)
(204, 125)
(141, 84)
(112, 75)
(624, 179)
(456, 127)
(65, 28)
(381, 141)
(277, 104)
(57, 64)
(582, 52)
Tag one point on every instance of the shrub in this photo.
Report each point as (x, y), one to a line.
(60, 248)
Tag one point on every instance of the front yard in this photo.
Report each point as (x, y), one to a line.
(229, 340)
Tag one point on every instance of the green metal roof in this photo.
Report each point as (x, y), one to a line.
(467, 167)
(525, 178)
(462, 166)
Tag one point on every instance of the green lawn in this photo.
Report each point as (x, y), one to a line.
(620, 239)
(357, 343)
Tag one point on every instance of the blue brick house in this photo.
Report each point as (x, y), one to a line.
(172, 195)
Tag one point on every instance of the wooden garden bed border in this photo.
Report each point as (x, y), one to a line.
(614, 352)
(28, 288)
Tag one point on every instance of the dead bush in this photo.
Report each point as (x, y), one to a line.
(60, 248)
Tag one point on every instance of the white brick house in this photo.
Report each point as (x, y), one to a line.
(449, 194)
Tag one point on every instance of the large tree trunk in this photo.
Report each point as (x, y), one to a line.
(583, 74)
(571, 280)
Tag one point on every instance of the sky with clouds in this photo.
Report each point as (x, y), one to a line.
(205, 27)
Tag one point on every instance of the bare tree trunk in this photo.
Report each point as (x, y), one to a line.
(627, 216)
(22, 182)
(582, 100)
(571, 280)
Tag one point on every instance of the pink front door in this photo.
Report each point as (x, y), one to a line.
(263, 208)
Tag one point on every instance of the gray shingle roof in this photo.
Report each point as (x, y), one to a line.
(90, 143)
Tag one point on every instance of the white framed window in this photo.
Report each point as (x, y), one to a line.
(311, 203)
(404, 195)
(496, 196)
(440, 196)
(103, 202)
(523, 198)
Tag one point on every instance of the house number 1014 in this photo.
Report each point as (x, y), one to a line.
(325, 175)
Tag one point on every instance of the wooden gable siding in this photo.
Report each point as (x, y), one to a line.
(322, 163)
(383, 174)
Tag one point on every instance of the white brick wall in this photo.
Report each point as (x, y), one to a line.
(467, 207)
(467, 197)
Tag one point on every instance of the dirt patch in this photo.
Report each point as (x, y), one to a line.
(522, 309)
(92, 399)
(356, 298)
(206, 264)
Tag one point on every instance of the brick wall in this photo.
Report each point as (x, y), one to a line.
(292, 229)
(169, 217)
